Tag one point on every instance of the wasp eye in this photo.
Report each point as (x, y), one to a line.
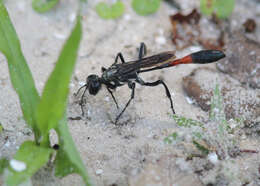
(103, 69)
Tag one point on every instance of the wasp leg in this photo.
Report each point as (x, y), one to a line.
(111, 93)
(80, 89)
(142, 51)
(131, 85)
(119, 55)
(155, 83)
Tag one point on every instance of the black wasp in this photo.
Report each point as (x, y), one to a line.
(119, 74)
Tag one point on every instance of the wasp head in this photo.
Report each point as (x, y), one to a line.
(94, 84)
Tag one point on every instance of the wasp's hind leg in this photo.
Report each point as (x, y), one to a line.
(142, 51)
(155, 83)
(119, 55)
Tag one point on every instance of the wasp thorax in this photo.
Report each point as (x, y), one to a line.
(94, 84)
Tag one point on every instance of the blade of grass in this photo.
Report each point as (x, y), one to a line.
(32, 157)
(54, 98)
(200, 147)
(30, 154)
(20, 74)
(68, 160)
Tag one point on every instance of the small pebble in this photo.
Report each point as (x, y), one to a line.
(213, 158)
(127, 17)
(161, 40)
(252, 53)
(99, 171)
(157, 178)
(107, 99)
(7, 144)
(160, 31)
(21, 6)
(72, 85)
(17, 165)
(59, 36)
(82, 83)
(72, 17)
(189, 100)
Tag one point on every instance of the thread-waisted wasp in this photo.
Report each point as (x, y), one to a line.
(119, 74)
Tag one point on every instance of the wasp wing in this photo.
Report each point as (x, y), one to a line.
(146, 63)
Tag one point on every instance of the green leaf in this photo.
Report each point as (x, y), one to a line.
(42, 6)
(54, 98)
(68, 160)
(33, 157)
(184, 122)
(146, 7)
(207, 6)
(110, 12)
(20, 74)
(222, 8)
(3, 165)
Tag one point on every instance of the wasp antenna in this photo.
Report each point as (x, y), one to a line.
(80, 89)
(82, 97)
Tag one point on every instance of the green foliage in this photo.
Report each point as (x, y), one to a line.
(113, 11)
(222, 8)
(42, 6)
(217, 112)
(54, 97)
(20, 73)
(216, 106)
(198, 129)
(33, 156)
(45, 113)
(197, 135)
(145, 7)
(169, 139)
(184, 122)
(3, 164)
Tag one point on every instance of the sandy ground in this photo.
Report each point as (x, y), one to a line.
(115, 155)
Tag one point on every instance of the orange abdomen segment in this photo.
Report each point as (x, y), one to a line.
(201, 57)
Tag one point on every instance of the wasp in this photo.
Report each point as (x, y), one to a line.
(122, 73)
